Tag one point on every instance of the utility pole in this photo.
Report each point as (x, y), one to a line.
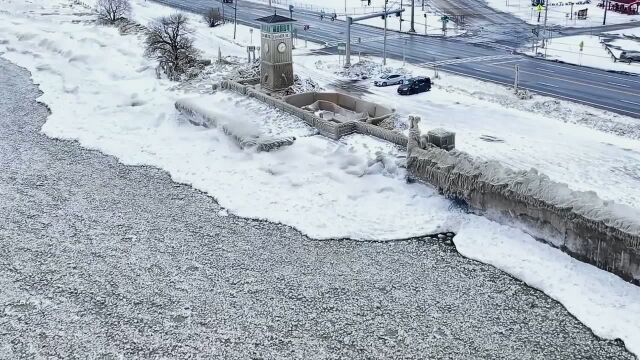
(401, 6)
(347, 45)
(235, 18)
(425, 23)
(606, 6)
(290, 16)
(384, 43)
(515, 81)
(546, 11)
(413, 15)
(223, 18)
(350, 20)
(572, 11)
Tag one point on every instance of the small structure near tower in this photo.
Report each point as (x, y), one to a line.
(276, 63)
(442, 138)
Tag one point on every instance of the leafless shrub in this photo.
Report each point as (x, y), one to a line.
(212, 17)
(111, 11)
(170, 42)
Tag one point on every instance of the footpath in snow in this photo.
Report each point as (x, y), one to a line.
(353, 188)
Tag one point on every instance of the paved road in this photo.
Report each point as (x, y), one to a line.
(485, 24)
(102, 260)
(602, 89)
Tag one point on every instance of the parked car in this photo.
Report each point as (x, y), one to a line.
(415, 85)
(630, 56)
(390, 79)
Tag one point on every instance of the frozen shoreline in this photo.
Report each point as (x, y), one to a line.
(175, 276)
(325, 189)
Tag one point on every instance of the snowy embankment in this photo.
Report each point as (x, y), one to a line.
(559, 13)
(104, 94)
(594, 52)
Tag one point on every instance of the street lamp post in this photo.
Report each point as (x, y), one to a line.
(413, 14)
(223, 19)
(235, 18)
(546, 11)
(606, 6)
(384, 32)
(401, 6)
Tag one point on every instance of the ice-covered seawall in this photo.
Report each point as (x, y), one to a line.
(599, 232)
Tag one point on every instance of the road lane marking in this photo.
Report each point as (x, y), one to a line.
(505, 62)
(545, 93)
(555, 77)
(476, 69)
(630, 102)
(541, 69)
(591, 72)
(547, 84)
(616, 84)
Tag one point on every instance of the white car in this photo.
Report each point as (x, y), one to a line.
(390, 79)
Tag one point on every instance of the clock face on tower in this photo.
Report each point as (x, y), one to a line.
(282, 47)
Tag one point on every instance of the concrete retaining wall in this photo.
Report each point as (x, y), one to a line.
(376, 113)
(326, 128)
(601, 233)
(380, 133)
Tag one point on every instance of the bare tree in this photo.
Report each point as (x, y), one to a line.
(170, 42)
(212, 17)
(111, 11)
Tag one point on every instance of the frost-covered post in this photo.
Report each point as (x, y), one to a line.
(414, 133)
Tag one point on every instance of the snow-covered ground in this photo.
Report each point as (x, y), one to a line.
(104, 94)
(561, 14)
(598, 51)
(524, 136)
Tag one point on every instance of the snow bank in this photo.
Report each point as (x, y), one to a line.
(246, 128)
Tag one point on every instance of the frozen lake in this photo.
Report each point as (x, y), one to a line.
(102, 259)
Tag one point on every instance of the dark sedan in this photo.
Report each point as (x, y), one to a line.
(415, 85)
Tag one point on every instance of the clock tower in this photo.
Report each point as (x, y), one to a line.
(276, 63)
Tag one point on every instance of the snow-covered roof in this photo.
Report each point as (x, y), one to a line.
(275, 18)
